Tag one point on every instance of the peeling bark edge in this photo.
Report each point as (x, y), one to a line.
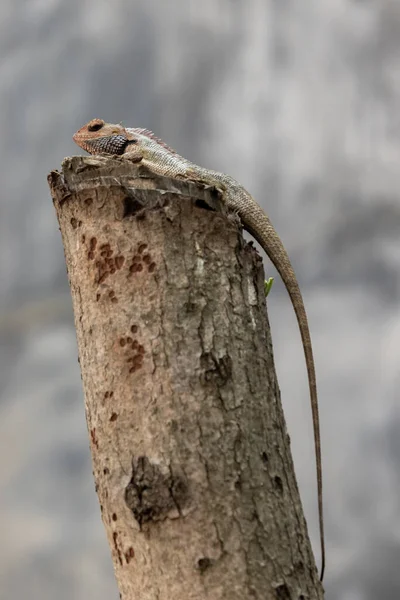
(190, 453)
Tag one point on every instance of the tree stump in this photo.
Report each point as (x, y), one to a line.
(191, 457)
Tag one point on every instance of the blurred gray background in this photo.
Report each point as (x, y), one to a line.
(300, 101)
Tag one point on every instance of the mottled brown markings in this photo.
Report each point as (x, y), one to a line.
(74, 223)
(115, 538)
(94, 437)
(93, 243)
(103, 277)
(135, 350)
(89, 201)
(139, 261)
(113, 298)
(83, 238)
(129, 554)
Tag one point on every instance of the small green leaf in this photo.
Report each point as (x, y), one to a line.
(268, 285)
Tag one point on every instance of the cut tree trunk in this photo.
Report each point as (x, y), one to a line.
(190, 453)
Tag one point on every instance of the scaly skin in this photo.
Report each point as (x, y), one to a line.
(98, 137)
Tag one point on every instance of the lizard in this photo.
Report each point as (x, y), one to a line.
(141, 145)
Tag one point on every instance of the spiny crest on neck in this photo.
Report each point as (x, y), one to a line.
(152, 136)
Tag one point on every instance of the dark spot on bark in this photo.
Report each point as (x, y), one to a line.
(137, 363)
(106, 471)
(135, 268)
(114, 417)
(115, 537)
(152, 267)
(94, 438)
(103, 277)
(122, 342)
(93, 243)
(202, 204)
(131, 206)
(147, 258)
(134, 328)
(129, 555)
(189, 307)
(278, 483)
(299, 566)
(151, 494)
(89, 201)
(90, 255)
(216, 369)
(204, 563)
(98, 296)
(142, 248)
(264, 457)
(114, 517)
(74, 223)
(282, 592)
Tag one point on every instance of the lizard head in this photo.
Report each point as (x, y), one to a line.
(98, 137)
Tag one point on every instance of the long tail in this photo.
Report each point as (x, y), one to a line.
(259, 226)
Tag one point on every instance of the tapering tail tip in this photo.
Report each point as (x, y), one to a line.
(321, 576)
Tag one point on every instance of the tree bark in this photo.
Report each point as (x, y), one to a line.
(190, 452)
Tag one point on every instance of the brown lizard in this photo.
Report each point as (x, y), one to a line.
(98, 137)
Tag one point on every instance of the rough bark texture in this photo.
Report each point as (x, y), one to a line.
(190, 452)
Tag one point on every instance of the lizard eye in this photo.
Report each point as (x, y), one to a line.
(95, 125)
